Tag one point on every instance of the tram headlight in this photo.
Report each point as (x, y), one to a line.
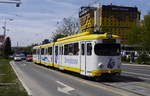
(100, 65)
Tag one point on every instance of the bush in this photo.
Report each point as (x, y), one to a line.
(143, 59)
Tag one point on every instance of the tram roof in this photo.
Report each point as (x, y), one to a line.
(47, 45)
(43, 46)
(36, 47)
(78, 37)
(88, 36)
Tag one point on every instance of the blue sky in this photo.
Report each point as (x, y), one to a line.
(35, 20)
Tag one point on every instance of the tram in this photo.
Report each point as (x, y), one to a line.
(85, 53)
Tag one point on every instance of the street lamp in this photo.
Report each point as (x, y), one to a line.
(17, 2)
(4, 27)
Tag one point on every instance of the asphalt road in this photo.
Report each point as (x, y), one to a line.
(42, 81)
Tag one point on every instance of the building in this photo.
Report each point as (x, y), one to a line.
(109, 18)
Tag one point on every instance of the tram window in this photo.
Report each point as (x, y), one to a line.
(89, 49)
(76, 49)
(70, 49)
(82, 49)
(42, 51)
(60, 51)
(66, 51)
(34, 51)
(107, 49)
(50, 50)
(38, 51)
(56, 50)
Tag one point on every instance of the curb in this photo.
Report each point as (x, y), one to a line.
(20, 79)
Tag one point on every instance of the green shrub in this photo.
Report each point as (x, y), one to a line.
(143, 59)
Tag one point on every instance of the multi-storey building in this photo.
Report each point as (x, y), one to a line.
(109, 18)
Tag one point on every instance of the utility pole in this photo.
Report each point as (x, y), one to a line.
(5, 25)
(17, 2)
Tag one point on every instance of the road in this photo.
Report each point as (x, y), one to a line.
(42, 81)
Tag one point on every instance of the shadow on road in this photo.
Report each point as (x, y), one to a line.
(121, 78)
(102, 79)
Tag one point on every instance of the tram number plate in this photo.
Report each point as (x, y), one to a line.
(109, 41)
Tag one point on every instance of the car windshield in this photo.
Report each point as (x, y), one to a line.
(107, 49)
(29, 56)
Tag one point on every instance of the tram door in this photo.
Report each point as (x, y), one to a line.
(86, 52)
(83, 58)
(60, 57)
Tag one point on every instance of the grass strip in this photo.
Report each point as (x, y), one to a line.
(9, 83)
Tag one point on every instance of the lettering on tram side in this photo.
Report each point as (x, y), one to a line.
(111, 63)
(71, 61)
(45, 59)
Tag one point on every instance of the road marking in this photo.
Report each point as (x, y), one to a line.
(137, 69)
(143, 84)
(144, 78)
(94, 84)
(66, 89)
(20, 79)
(136, 73)
(137, 65)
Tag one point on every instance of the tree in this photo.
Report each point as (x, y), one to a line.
(45, 41)
(69, 26)
(139, 36)
(7, 47)
(135, 35)
(57, 36)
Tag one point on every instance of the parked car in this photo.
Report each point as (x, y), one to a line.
(29, 58)
(17, 58)
(23, 56)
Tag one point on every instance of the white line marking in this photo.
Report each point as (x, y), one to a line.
(66, 88)
(144, 78)
(20, 79)
(136, 73)
(137, 69)
(137, 65)
(94, 84)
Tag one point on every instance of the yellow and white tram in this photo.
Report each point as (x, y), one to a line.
(88, 54)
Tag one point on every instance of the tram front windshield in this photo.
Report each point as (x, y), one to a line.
(107, 49)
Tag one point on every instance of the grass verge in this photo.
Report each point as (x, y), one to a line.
(9, 83)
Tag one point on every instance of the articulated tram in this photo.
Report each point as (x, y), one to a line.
(87, 54)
